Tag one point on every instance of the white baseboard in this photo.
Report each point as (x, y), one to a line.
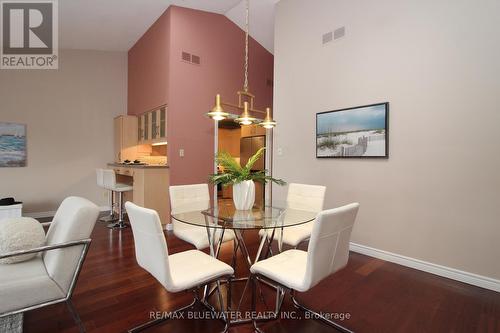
(448, 272)
(39, 215)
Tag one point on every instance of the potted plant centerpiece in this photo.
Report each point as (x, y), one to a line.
(242, 178)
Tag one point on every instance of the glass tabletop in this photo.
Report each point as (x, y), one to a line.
(226, 216)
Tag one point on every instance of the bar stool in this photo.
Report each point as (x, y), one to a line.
(100, 182)
(109, 181)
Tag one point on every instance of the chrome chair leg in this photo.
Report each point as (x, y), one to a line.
(111, 217)
(319, 315)
(221, 304)
(121, 222)
(280, 296)
(230, 282)
(75, 316)
(254, 303)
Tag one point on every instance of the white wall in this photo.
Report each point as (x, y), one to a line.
(69, 115)
(437, 198)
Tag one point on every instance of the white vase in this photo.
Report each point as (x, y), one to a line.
(244, 195)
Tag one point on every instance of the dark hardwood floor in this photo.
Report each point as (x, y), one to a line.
(114, 294)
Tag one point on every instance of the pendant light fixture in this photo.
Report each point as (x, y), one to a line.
(245, 118)
(245, 98)
(217, 112)
(268, 121)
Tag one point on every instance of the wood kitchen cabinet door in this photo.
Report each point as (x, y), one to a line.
(252, 130)
(125, 137)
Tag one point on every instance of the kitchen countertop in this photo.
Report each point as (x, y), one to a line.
(143, 166)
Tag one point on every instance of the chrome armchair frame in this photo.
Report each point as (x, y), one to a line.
(280, 296)
(202, 301)
(67, 298)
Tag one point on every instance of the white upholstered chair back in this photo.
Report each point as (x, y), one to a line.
(109, 178)
(74, 220)
(329, 243)
(187, 198)
(151, 250)
(306, 197)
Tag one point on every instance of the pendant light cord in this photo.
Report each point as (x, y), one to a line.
(245, 85)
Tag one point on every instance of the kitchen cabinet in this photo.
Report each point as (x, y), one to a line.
(248, 147)
(252, 130)
(152, 126)
(125, 138)
(143, 128)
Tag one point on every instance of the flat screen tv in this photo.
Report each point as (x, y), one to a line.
(357, 132)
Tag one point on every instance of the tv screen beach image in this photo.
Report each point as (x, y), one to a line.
(357, 132)
(12, 145)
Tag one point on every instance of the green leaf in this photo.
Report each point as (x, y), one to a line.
(233, 173)
(254, 158)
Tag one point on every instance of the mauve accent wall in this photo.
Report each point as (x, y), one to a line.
(148, 68)
(190, 89)
(220, 44)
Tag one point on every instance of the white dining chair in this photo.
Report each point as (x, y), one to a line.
(184, 271)
(296, 270)
(301, 197)
(188, 198)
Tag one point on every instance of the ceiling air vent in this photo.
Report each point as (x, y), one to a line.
(186, 56)
(327, 37)
(333, 35)
(339, 33)
(195, 59)
(191, 58)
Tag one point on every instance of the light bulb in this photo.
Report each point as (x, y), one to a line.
(245, 122)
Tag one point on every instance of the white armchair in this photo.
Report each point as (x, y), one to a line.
(297, 270)
(50, 277)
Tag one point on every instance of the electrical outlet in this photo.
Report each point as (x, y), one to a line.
(181, 152)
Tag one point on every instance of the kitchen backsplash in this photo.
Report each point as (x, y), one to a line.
(153, 159)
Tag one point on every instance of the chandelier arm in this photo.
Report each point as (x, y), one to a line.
(236, 106)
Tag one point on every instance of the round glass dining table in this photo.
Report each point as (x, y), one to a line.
(217, 220)
(225, 216)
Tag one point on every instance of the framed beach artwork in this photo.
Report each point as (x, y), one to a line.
(12, 145)
(357, 132)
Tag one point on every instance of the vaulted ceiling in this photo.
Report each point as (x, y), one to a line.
(115, 25)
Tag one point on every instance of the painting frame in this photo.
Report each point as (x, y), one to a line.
(386, 129)
(13, 145)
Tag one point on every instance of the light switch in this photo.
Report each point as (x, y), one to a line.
(280, 151)
(181, 152)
